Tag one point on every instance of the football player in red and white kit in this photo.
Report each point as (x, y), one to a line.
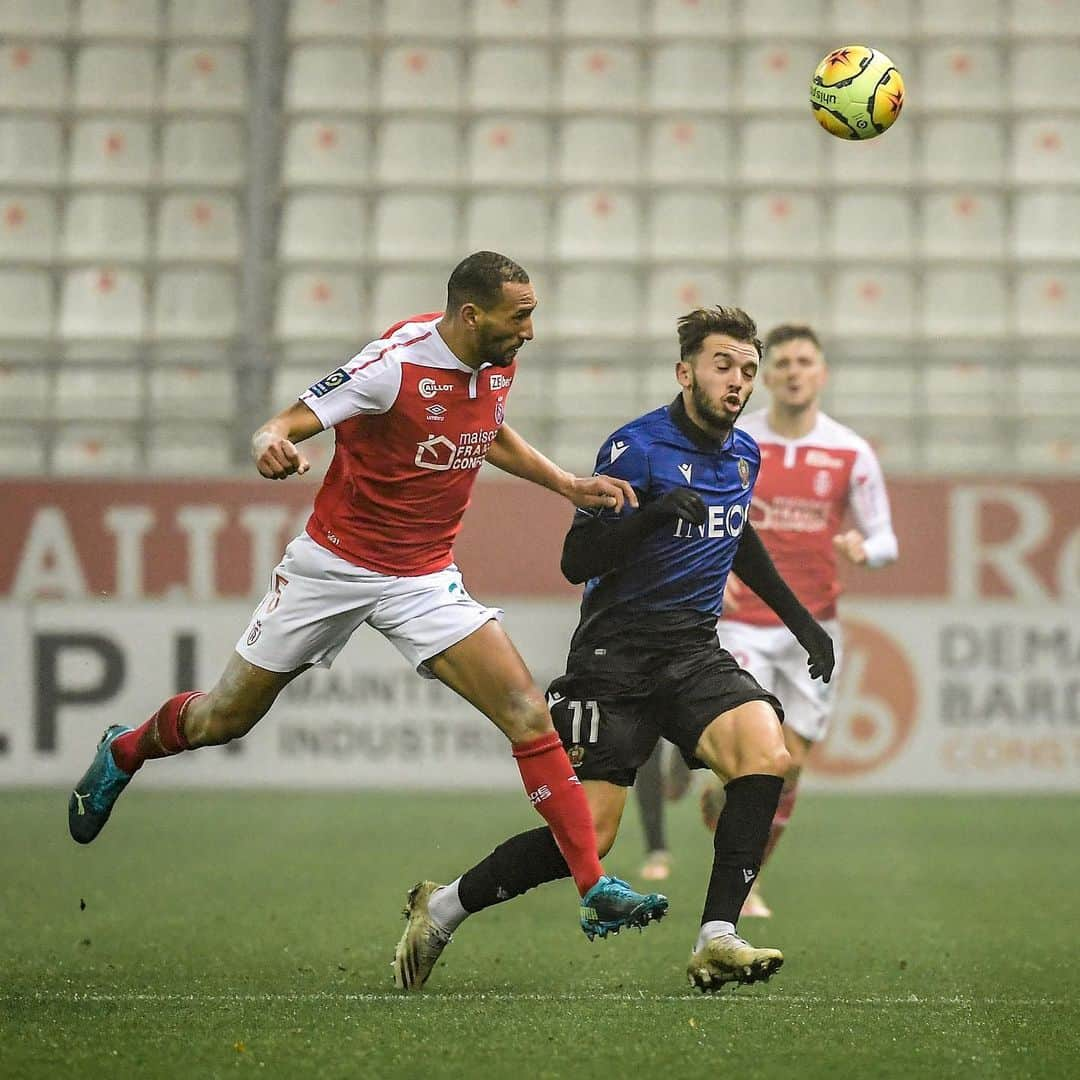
(815, 474)
(415, 414)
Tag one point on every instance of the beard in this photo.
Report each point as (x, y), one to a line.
(707, 411)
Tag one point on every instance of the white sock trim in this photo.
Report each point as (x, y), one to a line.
(709, 930)
(445, 907)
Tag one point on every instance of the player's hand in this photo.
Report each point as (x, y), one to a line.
(601, 493)
(680, 502)
(733, 590)
(852, 545)
(821, 659)
(276, 457)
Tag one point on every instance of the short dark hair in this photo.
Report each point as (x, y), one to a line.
(697, 325)
(479, 278)
(785, 332)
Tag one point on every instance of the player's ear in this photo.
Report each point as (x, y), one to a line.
(682, 372)
(469, 314)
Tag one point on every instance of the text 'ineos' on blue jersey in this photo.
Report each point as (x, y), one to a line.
(678, 566)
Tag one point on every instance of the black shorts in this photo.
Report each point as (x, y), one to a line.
(611, 710)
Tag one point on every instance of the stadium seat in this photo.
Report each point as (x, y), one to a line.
(603, 302)
(960, 76)
(211, 78)
(121, 78)
(1046, 151)
(965, 445)
(509, 150)
(530, 395)
(674, 290)
(798, 18)
(1046, 224)
(962, 18)
(414, 227)
(511, 18)
(575, 444)
(774, 75)
(782, 294)
(290, 380)
(323, 227)
(983, 156)
(26, 391)
(424, 18)
(871, 20)
(781, 225)
(105, 393)
(330, 20)
(196, 304)
(204, 152)
(105, 225)
(1044, 18)
(603, 19)
(691, 19)
(417, 151)
(319, 304)
(102, 303)
(198, 228)
(494, 68)
(598, 225)
(35, 18)
(584, 388)
(31, 150)
(326, 152)
(970, 302)
(515, 223)
(873, 302)
(420, 77)
(88, 450)
(857, 390)
(182, 391)
(26, 304)
(690, 76)
(598, 150)
(658, 383)
(111, 151)
(189, 450)
(23, 450)
(893, 438)
(119, 18)
(788, 151)
(32, 77)
(27, 227)
(963, 389)
(1048, 303)
(963, 225)
(598, 76)
(876, 223)
(688, 151)
(215, 18)
(397, 294)
(1044, 75)
(329, 77)
(1050, 447)
(876, 163)
(688, 225)
(1050, 390)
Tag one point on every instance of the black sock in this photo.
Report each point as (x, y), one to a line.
(649, 786)
(521, 863)
(738, 844)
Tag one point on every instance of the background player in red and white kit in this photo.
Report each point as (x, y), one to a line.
(415, 414)
(816, 474)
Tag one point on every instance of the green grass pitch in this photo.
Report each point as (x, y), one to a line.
(233, 934)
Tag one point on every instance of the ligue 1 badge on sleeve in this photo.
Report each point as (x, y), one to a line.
(744, 472)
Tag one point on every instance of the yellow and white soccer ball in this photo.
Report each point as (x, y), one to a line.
(856, 92)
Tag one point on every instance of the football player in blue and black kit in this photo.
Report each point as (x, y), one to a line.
(645, 661)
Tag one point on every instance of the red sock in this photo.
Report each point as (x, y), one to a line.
(161, 736)
(557, 794)
(780, 819)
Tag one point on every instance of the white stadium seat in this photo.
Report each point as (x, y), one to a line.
(870, 20)
(1048, 303)
(27, 227)
(1050, 446)
(215, 18)
(672, 291)
(774, 75)
(206, 77)
(515, 223)
(1044, 75)
(873, 302)
(198, 227)
(26, 391)
(105, 225)
(598, 225)
(893, 438)
(204, 151)
(688, 225)
(1044, 18)
(119, 18)
(967, 388)
(798, 18)
(963, 225)
(316, 304)
(415, 227)
(858, 391)
(771, 151)
(683, 19)
(424, 18)
(511, 18)
(189, 450)
(690, 76)
(781, 225)
(196, 304)
(35, 18)
(31, 150)
(111, 151)
(420, 77)
(598, 150)
(600, 76)
(333, 21)
(960, 76)
(32, 76)
(584, 388)
(603, 19)
(326, 152)
(782, 294)
(875, 162)
(1050, 390)
(26, 304)
(688, 151)
(957, 444)
(962, 18)
(1046, 225)
(416, 150)
(397, 294)
(323, 227)
(182, 391)
(596, 303)
(965, 303)
(873, 224)
(329, 77)
(982, 157)
(122, 78)
(88, 450)
(105, 393)
(103, 303)
(509, 150)
(1046, 150)
(526, 68)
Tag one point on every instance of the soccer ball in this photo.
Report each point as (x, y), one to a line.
(856, 93)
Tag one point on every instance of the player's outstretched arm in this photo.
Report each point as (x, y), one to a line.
(273, 446)
(511, 453)
(756, 569)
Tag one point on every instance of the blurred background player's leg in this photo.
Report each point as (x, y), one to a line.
(650, 800)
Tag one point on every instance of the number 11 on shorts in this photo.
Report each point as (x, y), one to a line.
(577, 712)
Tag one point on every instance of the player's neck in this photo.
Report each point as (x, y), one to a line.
(793, 423)
(457, 342)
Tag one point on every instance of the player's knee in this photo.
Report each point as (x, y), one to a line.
(527, 718)
(777, 761)
(225, 721)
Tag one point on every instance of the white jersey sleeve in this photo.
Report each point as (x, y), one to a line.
(869, 504)
(367, 385)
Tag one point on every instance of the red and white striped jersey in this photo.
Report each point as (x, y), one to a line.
(804, 489)
(412, 426)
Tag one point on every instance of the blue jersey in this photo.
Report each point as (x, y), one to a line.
(678, 567)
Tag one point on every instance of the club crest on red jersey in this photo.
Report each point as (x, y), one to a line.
(500, 411)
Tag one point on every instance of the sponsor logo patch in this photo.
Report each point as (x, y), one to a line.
(428, 388)
(501, 382)
(331, 382)
(744, 472)
(436, 412)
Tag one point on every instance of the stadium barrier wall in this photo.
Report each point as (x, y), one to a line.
(962, 667)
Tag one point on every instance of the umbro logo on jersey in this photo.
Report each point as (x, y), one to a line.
(429, 387)
(686, 470)
(617, 450)
(436, 412)
(331, 382)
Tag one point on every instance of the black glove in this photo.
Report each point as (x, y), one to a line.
(679, 503)
(819, 648)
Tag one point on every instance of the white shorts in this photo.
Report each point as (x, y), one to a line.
(773, 656)
(317, 599)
